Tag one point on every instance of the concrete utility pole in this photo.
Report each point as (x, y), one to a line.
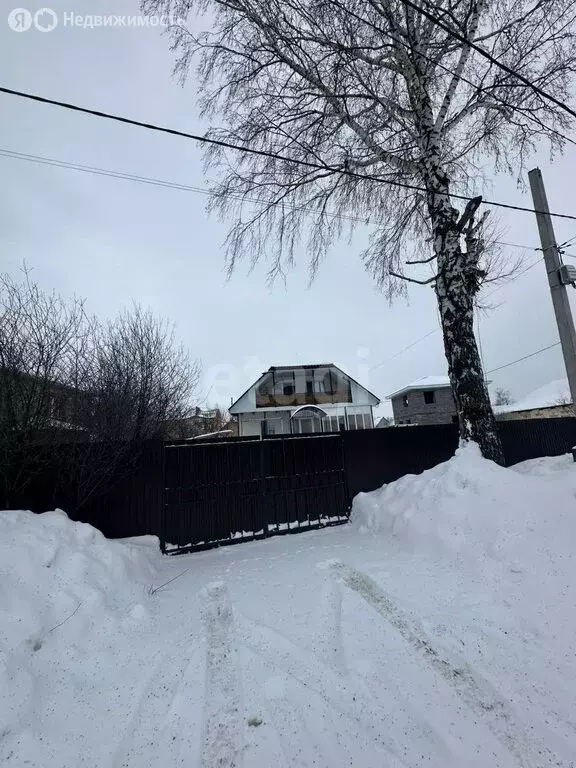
(559, 276)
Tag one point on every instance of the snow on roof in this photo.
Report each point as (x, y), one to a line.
(57, 424)
(554, 393)
(211, 434)
(427, 382)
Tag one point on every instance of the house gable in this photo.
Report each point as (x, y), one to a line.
(286, 387)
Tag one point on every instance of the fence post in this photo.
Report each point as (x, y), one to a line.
(163, 497)
(262, 490)
(345, 473)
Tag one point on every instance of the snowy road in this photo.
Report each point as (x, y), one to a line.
(330, 648)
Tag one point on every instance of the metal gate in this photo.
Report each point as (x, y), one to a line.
(228, 492)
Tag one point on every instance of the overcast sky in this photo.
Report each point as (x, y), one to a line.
(114, 241)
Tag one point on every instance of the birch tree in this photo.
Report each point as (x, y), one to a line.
(395, 118)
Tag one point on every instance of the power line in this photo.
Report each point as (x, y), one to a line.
(259, 152)
(517, 245)
(567, 242)
(404, 349)
(520, 359)
(50, 161)
(437, 330)
(504, 67)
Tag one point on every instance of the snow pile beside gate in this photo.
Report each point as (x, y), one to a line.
(469, 505)
(61, 585)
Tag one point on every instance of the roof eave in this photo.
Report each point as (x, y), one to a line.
(423, 388)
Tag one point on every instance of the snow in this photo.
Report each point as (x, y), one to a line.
(435, 630)
(443, 510)
(427, 382)
(211, 434)
(554, 393)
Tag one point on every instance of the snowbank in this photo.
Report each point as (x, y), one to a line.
(471, 506)
(61, 584)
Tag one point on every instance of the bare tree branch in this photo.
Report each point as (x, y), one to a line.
(413, 280)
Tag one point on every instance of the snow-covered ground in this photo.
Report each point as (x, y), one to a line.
(438, 629)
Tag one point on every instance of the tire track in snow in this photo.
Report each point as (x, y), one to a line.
(222, 736)
(342, 695)
(155, 697)
(299, 747)
(328, 645)
(476, 692)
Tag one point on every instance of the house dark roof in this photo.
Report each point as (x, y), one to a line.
(300, 367)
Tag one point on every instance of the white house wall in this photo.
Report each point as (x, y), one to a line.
(249, 425)
(361, 396)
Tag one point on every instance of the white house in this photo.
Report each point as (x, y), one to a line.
(299, 399)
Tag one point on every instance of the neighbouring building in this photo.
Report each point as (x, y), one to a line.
(302, 399)
(52, 411)
(425, 401)
(211, 422)
(551, 401)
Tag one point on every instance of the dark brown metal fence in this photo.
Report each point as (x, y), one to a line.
(378, 456)
(204, 494)
(223, 493)
(126, 501)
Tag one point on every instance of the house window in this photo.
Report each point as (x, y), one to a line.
(271, 427)
(358, 421)
(288, 389)
(330, 383)
(305, 426)
(430, 397)
(405, 401)
(333, 423)
(57, 409)
(309, 386)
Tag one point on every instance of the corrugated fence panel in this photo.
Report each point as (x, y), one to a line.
(226, 492)
(525, 439)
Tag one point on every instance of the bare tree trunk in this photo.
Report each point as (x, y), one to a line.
(475, 415)
(457, 283)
